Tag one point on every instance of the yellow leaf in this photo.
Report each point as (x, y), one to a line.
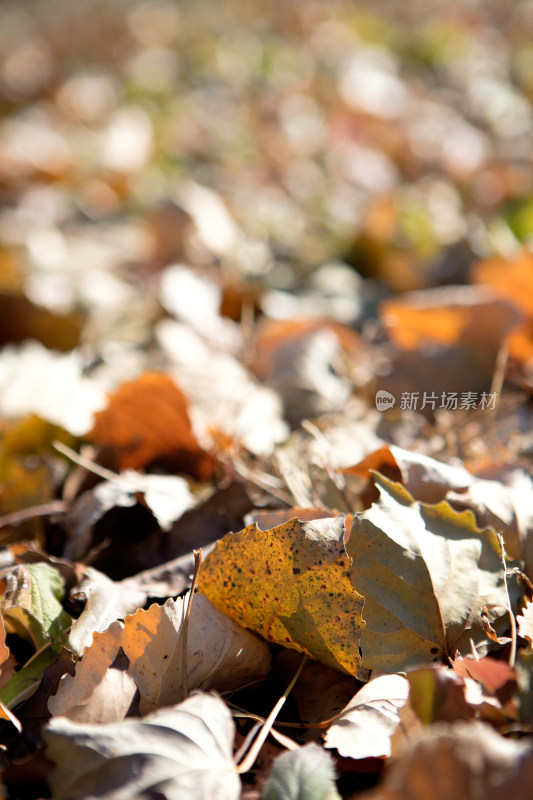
(290, 584)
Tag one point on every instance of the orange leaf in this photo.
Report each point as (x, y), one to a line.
(512, 280)
(469, 317)
(146, 420)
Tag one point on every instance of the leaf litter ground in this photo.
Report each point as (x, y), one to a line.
(265, 290)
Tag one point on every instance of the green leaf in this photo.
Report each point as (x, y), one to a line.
(303, 774)
(31, 605)
(26, 681)
(426, 572)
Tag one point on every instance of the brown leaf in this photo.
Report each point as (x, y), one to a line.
(463, 761)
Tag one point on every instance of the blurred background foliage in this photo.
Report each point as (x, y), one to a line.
(395, 138)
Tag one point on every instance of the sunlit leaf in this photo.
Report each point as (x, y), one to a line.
(410, 563)
(292, 585)
(178, 752)
(364, 728)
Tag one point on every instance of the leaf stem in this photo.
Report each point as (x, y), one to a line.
(43, 510)
(512, 652)
(185, 629)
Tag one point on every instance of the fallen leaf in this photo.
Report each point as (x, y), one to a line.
(464, 761)
(34, 380)
(490, 672)
(445, 340)
(167, 497)
(305, 361)
(98, 692)
(525, 623)
(147, 419)
(220, 655)
(502, 503)
(409, 563)
(320, 692)
(105, 601)
(177, 752)
(291, 584)
(22, 320)
(472, 317)
(303, 774)
(228, 402)
(512, 279)
(438, 694)
(25, 681)
(31, 606)
(426, 478)
(4, 649)
(365, 727)
(165, 580)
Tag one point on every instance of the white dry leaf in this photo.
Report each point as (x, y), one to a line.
(34, 380)
(220, 655)
(505, 505)
(365, 727)
(223, 394)
(178, 753)
(167, 496)
(307, 773)
(525, 623)
(105, 602)
(195, 301)
(428, 479)
(98, 693)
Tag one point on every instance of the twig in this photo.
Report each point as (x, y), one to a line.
(249, 759)
(86, 463)
(185, 627)
(500, 368)
(321, 725)
(43, 510)
(512, 652)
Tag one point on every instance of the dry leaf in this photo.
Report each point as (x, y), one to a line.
(147, 419)
(180, 752)
(464, 761)
(227, 399)
(365, 727)
(525, 623)
(34, 380)
(426, 478)
(410, 563)
(304, 361)
(220, 655)
(292, 585)
(438, 694)
(512, 279)
(105, 601)
(303, 774)
(472, 317)
(97, 693)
